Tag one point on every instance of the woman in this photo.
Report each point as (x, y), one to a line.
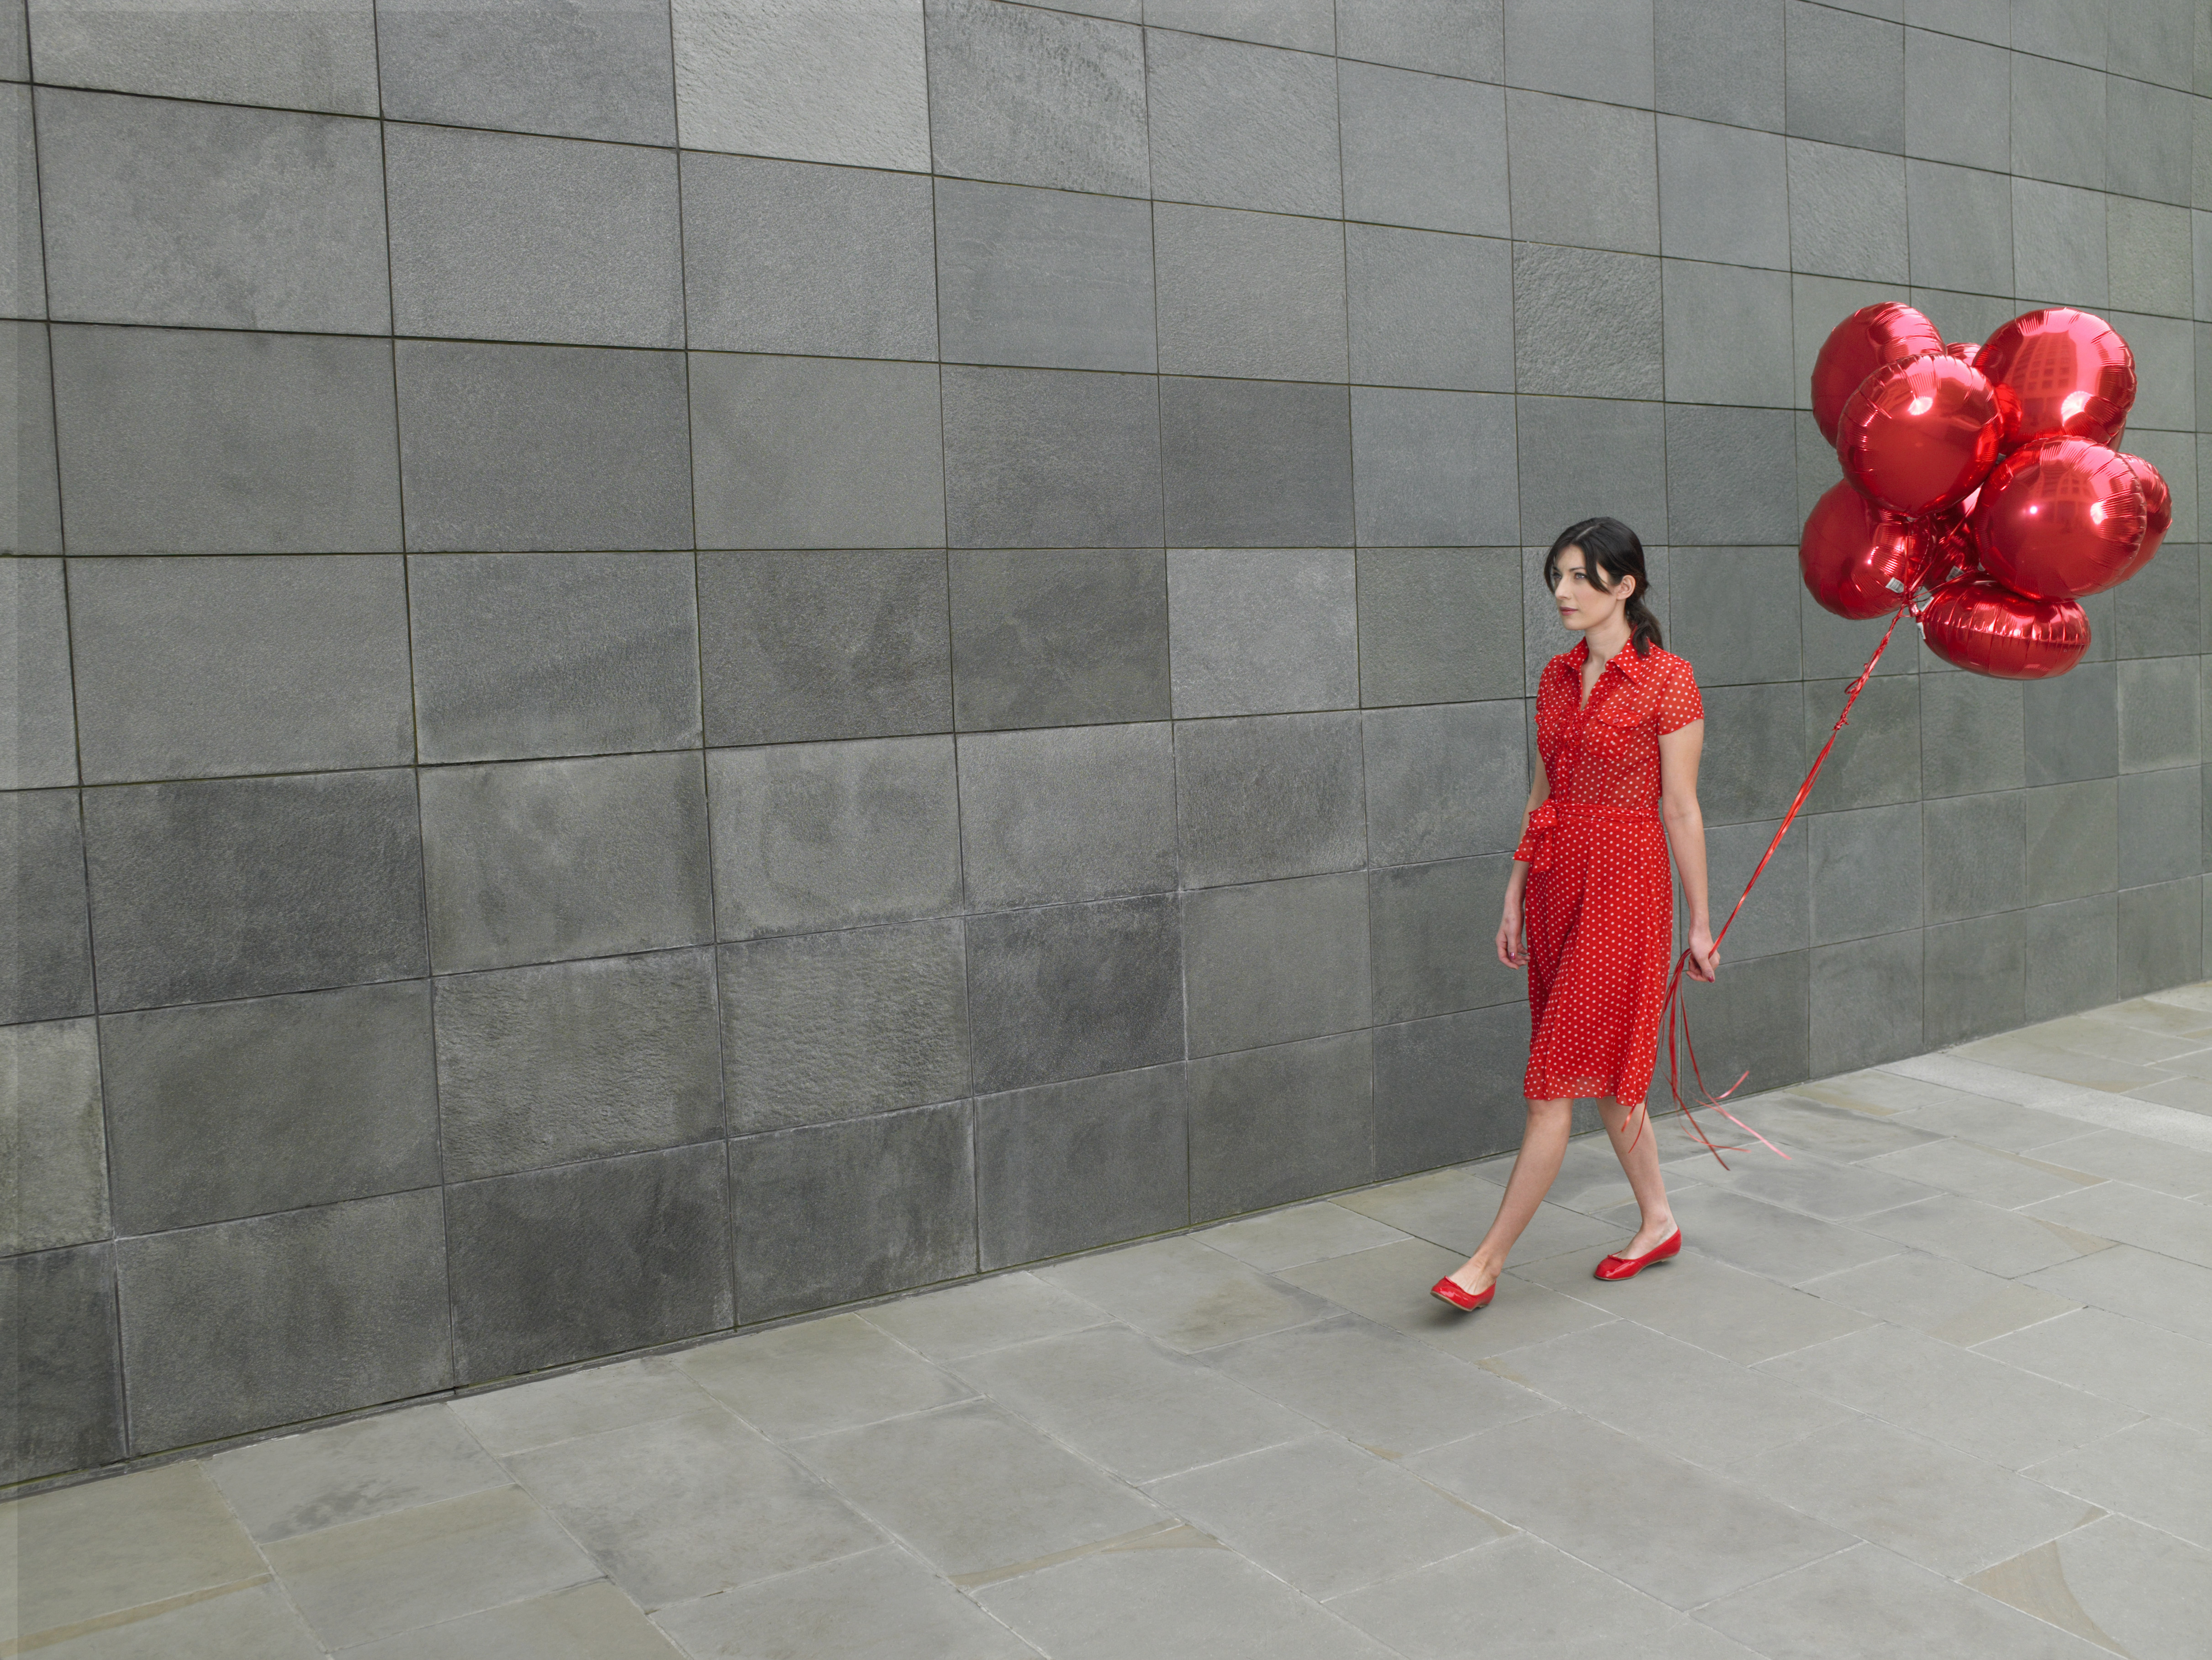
(1619, 731)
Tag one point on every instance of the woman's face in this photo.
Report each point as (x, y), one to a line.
(1583, 604)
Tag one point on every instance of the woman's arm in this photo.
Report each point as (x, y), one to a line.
(1678, 753)
(1512, 943)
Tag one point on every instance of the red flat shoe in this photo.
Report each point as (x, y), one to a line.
(1627, 1267)
(1450, 1291)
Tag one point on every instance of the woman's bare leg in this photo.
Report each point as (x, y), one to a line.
(1636, 1144)
(1543, 1144)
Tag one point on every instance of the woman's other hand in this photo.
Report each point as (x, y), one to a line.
(1512, 945)
(1704, 955)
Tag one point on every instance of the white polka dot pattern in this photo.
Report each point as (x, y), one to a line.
(1599, 903)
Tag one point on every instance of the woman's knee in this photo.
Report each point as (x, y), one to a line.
(1549, 1112)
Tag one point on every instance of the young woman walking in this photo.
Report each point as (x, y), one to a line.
(1619, 727)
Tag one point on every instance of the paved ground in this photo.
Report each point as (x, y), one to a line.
(1940, 1385)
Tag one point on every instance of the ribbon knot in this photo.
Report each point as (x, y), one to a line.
(1535, 849)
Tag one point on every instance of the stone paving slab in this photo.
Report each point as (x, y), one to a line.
(1935, 1385)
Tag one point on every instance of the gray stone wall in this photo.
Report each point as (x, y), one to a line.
(676, 667)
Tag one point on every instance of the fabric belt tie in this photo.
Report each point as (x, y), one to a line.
(1535, 849)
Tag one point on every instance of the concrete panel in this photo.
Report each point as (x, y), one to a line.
(835, 1212)
(67, 1406)
(1043, 639)
(1444, 780)
(1071, 991)
(1727, 336)
(800, 645)
(1422, 150)
(276, 1319)
(849, 84)
(190, 442)
(537, 862)
(1236, 125)
(1844, 77)
(517, 448)
(524, 655)
(1724, 194)
(1031, 97)
(1256, 464)
(790, 256)
(1047, 279)
(821, 1027)
(1428, 927)
(196, 668)
(48, 972)
(570, 1061)
(53, 1147)
(1720, 60)
(495, 236)
(1439, 625)
(1070, 1167)
(163, 212)
(1595, 49)
(241, 887)
(1254, 294)
(1268, 962)
(1258, 631)
(1272, 1125)
(1268, 796)
(1848, 212)
(319, 57)
(811, 452)
(601, 70)
(822, 836)
(269, 1104)
(1043, 459)
(1433, 468)
(1443, 36)
(30, 490)
(1584, 174)
(1429, 310)
(1067, 814)
(560, 1265)
(1953, 88)
(1586, 324)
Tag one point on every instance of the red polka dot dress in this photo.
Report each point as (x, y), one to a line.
(1600, 904)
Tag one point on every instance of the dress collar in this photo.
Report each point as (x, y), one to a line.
(1631, 665)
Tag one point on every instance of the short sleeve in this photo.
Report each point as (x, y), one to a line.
(1679, 702)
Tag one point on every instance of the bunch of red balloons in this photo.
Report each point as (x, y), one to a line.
(1981, 491)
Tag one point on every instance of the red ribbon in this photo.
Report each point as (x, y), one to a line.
(1673, 1007)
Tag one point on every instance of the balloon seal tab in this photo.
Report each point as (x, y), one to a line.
(1894, 585)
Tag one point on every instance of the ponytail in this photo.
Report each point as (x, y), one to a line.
(1610, 551)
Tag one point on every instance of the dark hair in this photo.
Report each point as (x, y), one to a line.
(1610, 551)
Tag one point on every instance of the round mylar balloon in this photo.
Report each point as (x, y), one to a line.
(2158, 513)
(2060, 371)
(2061, 518)
(1917, 435)
(1965, 350)
(1857, 347)
(1858, 560)
(1978, 623)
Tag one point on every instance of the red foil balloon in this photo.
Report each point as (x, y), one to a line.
(2062, 518)
(1869, 337)
(1980, 624)
(1858, 560)
(1918, 436)
(2060, 371)
(1965, 350)
(2158, 511)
